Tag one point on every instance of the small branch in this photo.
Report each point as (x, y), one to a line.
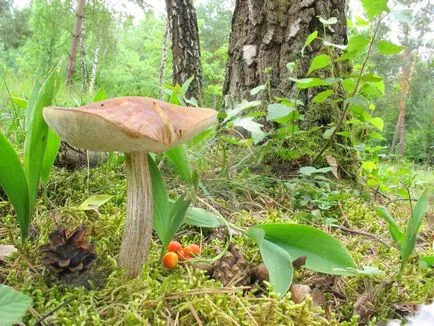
(49, 313)
(366, 234)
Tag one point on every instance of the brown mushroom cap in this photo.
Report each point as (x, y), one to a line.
(128, 124)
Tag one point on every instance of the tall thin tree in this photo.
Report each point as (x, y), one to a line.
(74, 41)
(182, 20)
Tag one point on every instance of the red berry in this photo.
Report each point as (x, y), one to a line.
(184, 254)
(170, 260)
(174, 246)
(192, 249)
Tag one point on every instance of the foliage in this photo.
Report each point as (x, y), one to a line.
(21, 182)
(406, 240)
(13, 305)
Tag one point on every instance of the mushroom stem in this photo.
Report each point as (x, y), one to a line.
(138, 225)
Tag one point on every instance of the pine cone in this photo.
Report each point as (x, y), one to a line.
(232, 268)
(68, 254)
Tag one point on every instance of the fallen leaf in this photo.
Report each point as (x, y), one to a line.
(299, 292)
(6, 250)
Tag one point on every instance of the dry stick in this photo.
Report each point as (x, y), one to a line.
(48, 314)
(179, 295)
(247, 311)
(366, 234)
(194, 313)
(356, 90)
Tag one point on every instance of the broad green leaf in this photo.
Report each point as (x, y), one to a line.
(51, 150)
(373, 8)
(369, 166)
(201, 218)
(349, 86)
(428, 261)
(307, 170)
(377, 123)
(357, 43)
(388, 48)
(257, 89)
(395, 230)
(330, 21)
(321, 97)
(179, 157)
(160, 201)
(318, 62)
(176, 218)
(14, 183)
(94, 202)
(253, 127)
(358, 100)
(413, 226)
(13, 305)
(101, 95)
(276, 259)
(371, 78)
(36, 134)
(186, 85)
(403, 15)
(324, 253)
(328, 133)
(278, 110)
(311, 37)
(310, 82)
(244, 105)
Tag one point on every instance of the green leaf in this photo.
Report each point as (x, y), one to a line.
(311, 37)
(373, 8)
(395, 231)
(186, 85)
(324, 253)
(201, 218)
(257, 89)
(51, 150)
(37, 133)
(94, 202)
(278, 110)
(291, 67)
(307, 170)
(176, 218)
(318, 62)
(20, 102)
(371, 78)
(328, 133)
(377, 123)
(160, 201)
(321, 97)
(330, 21)
(244, 105)
(357, 43)
(388, 48)
(253, 127)
(276, 259)
(101, 95)
(14, 183)
(179, 157)
(413, 226)
(428, 261)
(310, 82)
(403, 15)
(13, 305)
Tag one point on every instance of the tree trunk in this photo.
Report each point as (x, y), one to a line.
(163, 63)
(268, 34)
(182, 20)
(94, 69)
(83, 56)
(74, 42)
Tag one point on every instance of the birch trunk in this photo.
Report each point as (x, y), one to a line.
(74, 42)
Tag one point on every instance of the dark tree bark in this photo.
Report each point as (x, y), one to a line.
(270, 34)
(185, 45)
(267, 35)
(74, 42)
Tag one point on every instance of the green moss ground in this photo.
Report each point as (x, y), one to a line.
(185, 295)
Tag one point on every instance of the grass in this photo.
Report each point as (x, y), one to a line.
(187, 296)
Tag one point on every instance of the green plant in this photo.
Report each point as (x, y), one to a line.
(21, 181)
(406, 241)
(13, 305)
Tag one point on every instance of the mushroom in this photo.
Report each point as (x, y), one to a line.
(136, 126)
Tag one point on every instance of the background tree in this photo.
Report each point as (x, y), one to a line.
(186, 63)
(74, 41)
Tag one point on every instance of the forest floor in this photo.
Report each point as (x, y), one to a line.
(187, 295)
